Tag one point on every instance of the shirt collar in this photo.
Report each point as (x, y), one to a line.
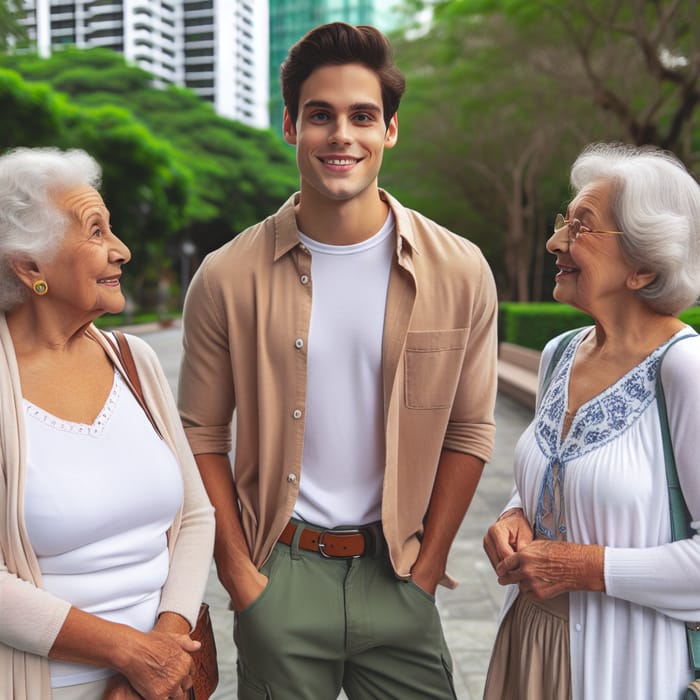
(287, 235)
(405, 231)
(285, 226)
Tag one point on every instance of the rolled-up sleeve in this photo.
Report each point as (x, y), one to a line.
(471, 427)
(206, 397)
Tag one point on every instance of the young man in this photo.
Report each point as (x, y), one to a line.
(356, 340)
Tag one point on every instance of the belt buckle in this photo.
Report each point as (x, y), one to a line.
(322, 546)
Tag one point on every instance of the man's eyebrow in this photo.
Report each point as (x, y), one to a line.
(317, 103)
(365, 107)
(357, 107)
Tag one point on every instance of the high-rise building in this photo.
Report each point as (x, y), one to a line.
(219, 48)
(291, 19)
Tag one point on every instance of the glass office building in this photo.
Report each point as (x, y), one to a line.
(218, 48)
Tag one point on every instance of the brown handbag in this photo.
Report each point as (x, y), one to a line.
(205, 670)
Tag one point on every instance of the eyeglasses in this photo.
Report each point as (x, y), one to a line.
(576, 229)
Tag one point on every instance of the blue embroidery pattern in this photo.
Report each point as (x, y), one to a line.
(602, 419)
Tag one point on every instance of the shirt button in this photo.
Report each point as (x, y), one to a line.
(302, 246)
(299, 343)
(304, 279)
(578, 626)
(296, 413)
(292, 478)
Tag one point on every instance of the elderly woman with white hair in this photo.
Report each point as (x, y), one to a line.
(598, 593)
(106, 531)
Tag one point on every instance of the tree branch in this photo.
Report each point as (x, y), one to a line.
(489, 175)
(689, 100)
(608, 25)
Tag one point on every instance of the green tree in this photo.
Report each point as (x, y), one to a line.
(237, 174)
(31, 114)
(479, 133)
(10, 28)
(499, 104)
(143, 184)
(79, 72)
(638, 61)
(240, 174)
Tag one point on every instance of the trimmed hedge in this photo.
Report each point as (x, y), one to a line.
(533, 324)
(109, 321)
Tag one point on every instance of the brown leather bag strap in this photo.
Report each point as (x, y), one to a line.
(124, 353)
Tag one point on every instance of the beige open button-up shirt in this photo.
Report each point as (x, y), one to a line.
(246, 324)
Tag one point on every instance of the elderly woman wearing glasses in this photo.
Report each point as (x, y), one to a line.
(598, 595)
(106, 531)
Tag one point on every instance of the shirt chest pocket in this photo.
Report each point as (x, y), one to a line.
(433, 363)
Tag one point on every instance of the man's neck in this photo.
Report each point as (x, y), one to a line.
(341, 222)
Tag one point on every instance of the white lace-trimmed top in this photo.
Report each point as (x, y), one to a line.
(601, 419)
(99, 501)
(95, 428)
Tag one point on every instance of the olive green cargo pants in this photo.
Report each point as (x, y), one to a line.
(322, 624)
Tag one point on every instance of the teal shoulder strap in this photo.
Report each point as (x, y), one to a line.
(680, 517)
(558, 352)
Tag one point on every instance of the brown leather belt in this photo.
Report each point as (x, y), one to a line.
(333, 544)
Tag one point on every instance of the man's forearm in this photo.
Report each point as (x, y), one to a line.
(235, 568)
(455, 484)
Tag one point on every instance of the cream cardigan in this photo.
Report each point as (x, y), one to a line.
(31, 618)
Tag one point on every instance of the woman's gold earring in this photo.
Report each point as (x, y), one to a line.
(40, 287)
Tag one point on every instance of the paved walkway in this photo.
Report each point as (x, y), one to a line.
(469, 612)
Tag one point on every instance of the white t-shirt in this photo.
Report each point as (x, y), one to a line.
(99, 501)
(343, 459)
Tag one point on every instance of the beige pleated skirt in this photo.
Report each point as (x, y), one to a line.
(530, 658)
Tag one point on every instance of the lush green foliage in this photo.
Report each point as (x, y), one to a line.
(173, 170)
(691, 316)
(503, 94)
(141, 182)
(10, 29)
(533, 324)
(120, 320)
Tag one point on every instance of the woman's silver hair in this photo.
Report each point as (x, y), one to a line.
(656, 204)
(31, 225)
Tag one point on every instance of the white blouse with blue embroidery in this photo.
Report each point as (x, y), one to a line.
(609, 469)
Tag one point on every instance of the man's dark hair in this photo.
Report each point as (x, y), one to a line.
(336, 44)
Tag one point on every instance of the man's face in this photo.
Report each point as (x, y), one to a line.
(340, 134)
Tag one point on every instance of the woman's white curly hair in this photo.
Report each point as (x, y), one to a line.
(31, 226)
(656, 204)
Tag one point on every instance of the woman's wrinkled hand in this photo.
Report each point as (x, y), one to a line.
(158, 665)
(544, 568)
(510, 533)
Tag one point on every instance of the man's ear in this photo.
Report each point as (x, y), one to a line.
(26, 269)
(392, 132)
(289, 129)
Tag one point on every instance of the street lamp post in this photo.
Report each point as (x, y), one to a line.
(187, 251)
